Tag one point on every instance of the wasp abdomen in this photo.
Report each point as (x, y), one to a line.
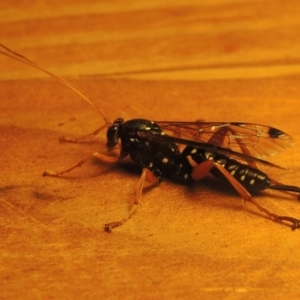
(252, 179)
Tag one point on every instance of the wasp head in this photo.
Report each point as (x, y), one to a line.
(113, 133)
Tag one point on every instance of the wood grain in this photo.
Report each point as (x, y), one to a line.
(176, 60)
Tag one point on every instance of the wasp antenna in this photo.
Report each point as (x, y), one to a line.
(16, 56)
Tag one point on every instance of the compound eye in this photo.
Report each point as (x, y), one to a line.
(112, 134)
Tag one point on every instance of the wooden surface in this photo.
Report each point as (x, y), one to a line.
(171, 60)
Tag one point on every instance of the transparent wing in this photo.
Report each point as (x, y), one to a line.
(248, 138)
(161, 137)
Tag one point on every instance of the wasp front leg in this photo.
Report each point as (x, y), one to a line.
(84, 138)
(102, 157)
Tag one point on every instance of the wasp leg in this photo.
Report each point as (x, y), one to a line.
(81, 139)
(218, 139)
(146, 175)
(100, 156)
(201, 170)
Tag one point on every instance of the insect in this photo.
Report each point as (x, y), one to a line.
(188, 151)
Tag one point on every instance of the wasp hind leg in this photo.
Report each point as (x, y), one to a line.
(218, 139)
(203, 169)
(146, 175)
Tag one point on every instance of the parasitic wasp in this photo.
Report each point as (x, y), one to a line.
(185, 152)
